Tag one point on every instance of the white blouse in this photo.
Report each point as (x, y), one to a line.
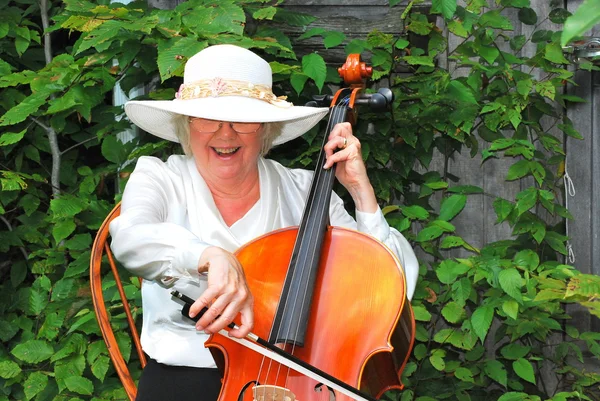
(168, 218)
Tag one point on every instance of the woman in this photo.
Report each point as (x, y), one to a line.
(182, 219)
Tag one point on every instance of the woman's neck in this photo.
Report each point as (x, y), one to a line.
(234, 198)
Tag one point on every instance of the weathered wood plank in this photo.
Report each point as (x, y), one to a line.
(583, 159)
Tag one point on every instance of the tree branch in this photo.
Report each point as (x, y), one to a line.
(79, 144)
(23, 251)
(53, 139)
(45, 25)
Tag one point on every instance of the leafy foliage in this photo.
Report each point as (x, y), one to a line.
(485, 316)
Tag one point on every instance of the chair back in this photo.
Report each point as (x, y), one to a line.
(101, 248)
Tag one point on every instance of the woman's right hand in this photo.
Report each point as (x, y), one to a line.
(227, 294)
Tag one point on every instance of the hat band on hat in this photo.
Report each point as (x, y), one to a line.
(217, 87)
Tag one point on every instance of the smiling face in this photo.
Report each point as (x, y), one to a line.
(225, 155)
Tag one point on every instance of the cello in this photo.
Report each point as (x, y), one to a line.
(332, 320)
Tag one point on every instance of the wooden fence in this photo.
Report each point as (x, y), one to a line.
(356, 18)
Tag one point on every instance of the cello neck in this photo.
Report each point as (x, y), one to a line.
(294, 306)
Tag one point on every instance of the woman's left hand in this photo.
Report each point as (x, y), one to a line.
(351, 171)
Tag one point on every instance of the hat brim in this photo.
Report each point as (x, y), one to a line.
(158, 117)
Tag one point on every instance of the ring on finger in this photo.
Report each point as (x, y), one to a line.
(345, 143)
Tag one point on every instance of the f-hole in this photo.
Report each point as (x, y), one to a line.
(319, 388)
(243, 390)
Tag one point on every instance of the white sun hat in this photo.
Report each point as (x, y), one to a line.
(226, 83)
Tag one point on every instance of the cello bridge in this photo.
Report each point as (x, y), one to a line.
(272, 393)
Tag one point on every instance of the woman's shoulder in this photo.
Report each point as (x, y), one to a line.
(298, 177)
(295, 174)
(155, 166)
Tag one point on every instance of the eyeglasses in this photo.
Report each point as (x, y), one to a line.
(212, 126)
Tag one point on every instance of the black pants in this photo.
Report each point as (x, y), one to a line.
(161, 382)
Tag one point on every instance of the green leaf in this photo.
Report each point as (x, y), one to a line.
(453, 312)
(489, 53)
(312, 32)
(457, 28)
(585, 17)
(33, 351)
(546, 88)
(524, 87)
(437, 359)
(493, 19)
(515, 351)
(511, 282)
(314, 67)
(66, 207)
(421, 314)
(527, 259)
(100, 367)
(481, 320)
(24, 109)
(113, 150)
(419, 60)
(38, 299)
(52, 325)
(503, 208)
(464, 374)
(452, 206)
(556, 242)
(527, 16)
(524, 370)
(22, 39)
(446, 7)
(461, 290)
(526, 200)
(449, 270)
(333, 38)
(62, 229)
(559, 15)
(9, 369)
(401, 43)
(34, 384)
(511, 308)
(554, 53)
(514, 396)
(10, 138)
(265, 13)
(458, 91)
(453, 241)
(293, 18)
(429, 233)
(518, 170)
(466, 189)
(173, 54)
(495, 370)
(570, 130)
(29, 203)
(415, 212)
(79, 385)
(62, 289)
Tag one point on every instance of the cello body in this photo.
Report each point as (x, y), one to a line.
(360, 330)
(332, 298)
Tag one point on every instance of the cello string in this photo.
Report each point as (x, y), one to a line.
(299, 269)
(337, 114)
(281, 329)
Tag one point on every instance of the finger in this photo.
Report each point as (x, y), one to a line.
(223, 319)
(229, 311)
(341, 156)
(247, 322)
(341, 129)
(213, 301)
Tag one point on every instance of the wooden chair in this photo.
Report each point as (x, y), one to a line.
(99, 249)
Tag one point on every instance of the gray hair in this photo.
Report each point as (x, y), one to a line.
(270, 131)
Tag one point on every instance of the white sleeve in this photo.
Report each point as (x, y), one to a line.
(146, 238)
(377, 226)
